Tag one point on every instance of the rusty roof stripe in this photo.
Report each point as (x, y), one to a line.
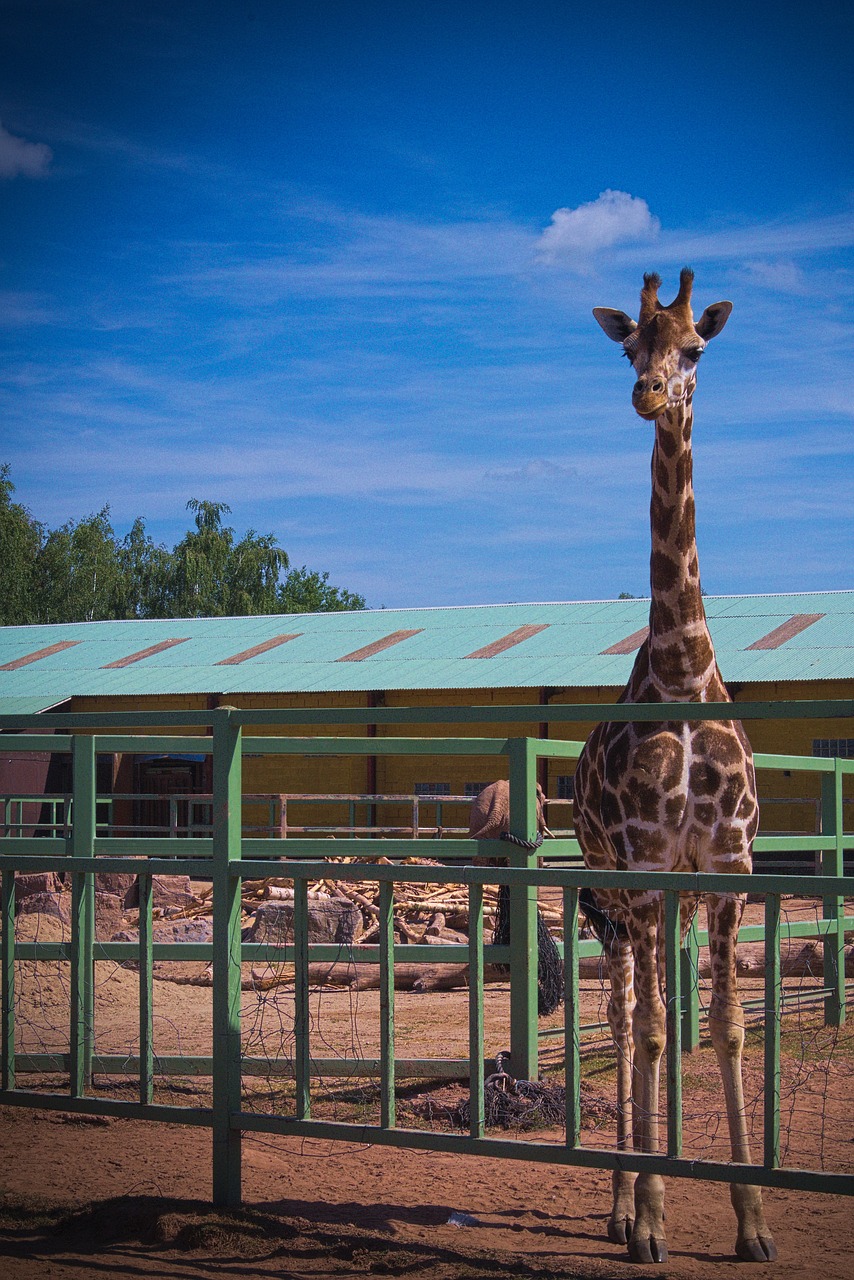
(377, 646)
(144, 653)
(786, 631)
(508, 641)
(264, 647)
(630, 644)
(38, 654)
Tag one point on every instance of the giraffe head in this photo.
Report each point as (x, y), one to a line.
(664, 345)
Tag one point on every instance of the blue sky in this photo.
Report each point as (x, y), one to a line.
(334, 264)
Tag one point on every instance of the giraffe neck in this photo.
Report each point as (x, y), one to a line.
(681, 658)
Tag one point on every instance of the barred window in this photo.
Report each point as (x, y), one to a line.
(829, 747)
(430, 789)
(474, 788)
(565, 786)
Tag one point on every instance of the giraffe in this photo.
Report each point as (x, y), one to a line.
(669, 796)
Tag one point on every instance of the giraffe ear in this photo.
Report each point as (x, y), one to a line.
(616, 324)
(713, 320)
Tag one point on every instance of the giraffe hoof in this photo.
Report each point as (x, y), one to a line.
(620, 1230)
(757, 1249)
(647, 1249)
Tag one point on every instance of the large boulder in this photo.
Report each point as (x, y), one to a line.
(200, 929)
(335, 920)
(122, 883)
(49, 904)
(26, 884)
(172, 891)
(108, 915)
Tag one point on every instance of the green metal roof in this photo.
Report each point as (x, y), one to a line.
(808, 636)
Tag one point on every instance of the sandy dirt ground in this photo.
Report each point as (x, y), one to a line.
(95, 1197)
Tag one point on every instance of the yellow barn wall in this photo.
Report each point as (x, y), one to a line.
(398, 775)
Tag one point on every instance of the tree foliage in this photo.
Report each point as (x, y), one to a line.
(83, 572)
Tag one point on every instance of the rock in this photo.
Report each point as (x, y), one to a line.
(36, 882)
(336, 920)
(199, 929)
(108, 915)
(49, 904)
(171, 891)
(121, 883)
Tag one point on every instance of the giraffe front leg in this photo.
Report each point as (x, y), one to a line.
(620, 1006)
(754, 1241)
(648, 1242)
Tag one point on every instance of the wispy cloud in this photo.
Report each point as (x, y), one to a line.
(22, 158)
(784, 274)
(405, 260)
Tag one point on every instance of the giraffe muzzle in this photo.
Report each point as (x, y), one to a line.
(650, 396)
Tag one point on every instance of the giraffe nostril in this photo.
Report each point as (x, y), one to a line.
(638, 388)
(657, 385)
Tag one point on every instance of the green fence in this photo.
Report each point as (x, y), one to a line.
(227, 858)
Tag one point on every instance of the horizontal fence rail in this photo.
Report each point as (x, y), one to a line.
(226, 857)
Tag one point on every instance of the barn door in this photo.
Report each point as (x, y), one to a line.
(164, 787)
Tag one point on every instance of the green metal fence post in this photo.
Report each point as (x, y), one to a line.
(523, 911)
(146, 982)
(572, 1039)
(81, 845)
(386, 917)
(832, 864)
(674, 1011)
(302, 1013)
(773, 1000)
(7, 980)
(227, 779)
(477, 1117)
(690, 964)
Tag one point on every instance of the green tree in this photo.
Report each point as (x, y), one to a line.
(211, 575)
(76, 576)
(81, 572)
(307, 591)
(146, 569)
(20, 542)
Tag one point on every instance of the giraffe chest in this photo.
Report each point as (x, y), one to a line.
(674, 796)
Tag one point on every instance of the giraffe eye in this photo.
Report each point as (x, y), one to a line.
(693, 353)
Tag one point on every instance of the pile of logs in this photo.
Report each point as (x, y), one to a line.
(423, 913)
(433, 913)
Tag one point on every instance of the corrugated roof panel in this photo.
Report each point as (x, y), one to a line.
(257, 650)
(142, 655)
(38, 655)
(567, 649)
(786, 631)
(628, 644)
(27, 706)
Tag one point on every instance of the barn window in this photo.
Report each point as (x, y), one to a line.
(565, 786)
(430, 789)
(474, 788)
(830, 747)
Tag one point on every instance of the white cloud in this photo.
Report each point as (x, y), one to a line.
(614, 217)
(20, 157)
(784, 276)
(533, 473)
